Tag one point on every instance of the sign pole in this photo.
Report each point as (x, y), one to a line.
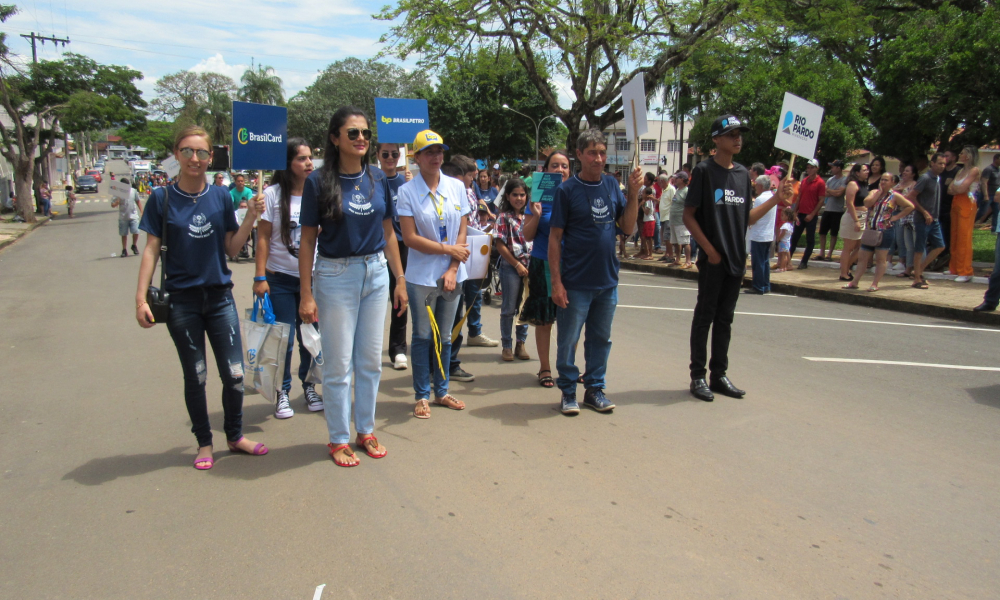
(260, 182)
(406, 158)
(635, 129)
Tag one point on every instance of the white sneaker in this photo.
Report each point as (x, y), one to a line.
(963, 279)
(482, 340)
(283, 409)
(399, 362)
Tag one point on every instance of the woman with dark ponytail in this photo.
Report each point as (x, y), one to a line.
(277, 257)
(347, 212)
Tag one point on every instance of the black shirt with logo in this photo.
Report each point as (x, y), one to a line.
(723, 202)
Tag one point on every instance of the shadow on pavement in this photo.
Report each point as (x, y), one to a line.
(988, 395)
(277, 460)
(656, 397)
(103, 470)
(517, 414)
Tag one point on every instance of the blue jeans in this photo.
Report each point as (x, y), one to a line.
(597, 311)
(992, 296)
(656, 234)
(760, 266)
(194, 313)
(988, 204)
(904, 242)
(285, 300)
(470, 297)
(422, 354)
(351, 296)
(512, 291)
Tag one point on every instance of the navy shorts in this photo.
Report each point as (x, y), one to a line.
(926, 237)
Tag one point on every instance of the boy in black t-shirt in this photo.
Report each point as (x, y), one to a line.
(717, 212)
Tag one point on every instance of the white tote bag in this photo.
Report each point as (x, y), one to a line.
(265, 342)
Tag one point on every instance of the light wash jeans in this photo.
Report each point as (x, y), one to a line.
(511, 283)
(597, 310)
(351, 297)
(423, 357)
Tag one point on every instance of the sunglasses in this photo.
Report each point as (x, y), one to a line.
(354, 132)
(390, 154)
(189, 152)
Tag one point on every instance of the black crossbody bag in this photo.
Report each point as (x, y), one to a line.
(158, 298)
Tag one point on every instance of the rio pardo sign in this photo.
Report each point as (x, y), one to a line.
(798, 126)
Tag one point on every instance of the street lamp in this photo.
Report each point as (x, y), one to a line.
(537, 125)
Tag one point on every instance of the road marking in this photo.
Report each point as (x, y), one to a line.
(865, 321)
(863, 361)
(659, 287)
(319, 591)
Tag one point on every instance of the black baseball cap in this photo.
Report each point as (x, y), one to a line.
(837, 163)
(727, 123)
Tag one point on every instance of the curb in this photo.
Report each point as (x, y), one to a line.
(41, 221)
(866, 300)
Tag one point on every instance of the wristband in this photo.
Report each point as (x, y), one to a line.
(261, 278)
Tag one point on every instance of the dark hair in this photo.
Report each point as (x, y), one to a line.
(649, 177)
(512, 184)
(758, 168)
(936, 156)
(548, 159)
(854, 172)
(525, 171)
(881, 162)
(286, 179)
(465, 163)
(331, 204)
(452, 170)
(122, 179)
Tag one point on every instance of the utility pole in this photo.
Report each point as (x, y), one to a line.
(33, 37)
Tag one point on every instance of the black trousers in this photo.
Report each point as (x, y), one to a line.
(810, 228)
(397, 324)
(718, 291)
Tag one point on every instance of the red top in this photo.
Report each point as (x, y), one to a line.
(811, 192)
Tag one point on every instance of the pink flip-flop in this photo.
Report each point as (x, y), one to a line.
(258, 450)
(208, 459)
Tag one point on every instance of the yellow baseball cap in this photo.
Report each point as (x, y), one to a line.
(427, 138)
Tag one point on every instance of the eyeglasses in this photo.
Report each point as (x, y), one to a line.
(387, 154)
(189, 152)
(354, 132)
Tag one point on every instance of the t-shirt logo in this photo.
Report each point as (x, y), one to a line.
(719, 194)
(200, 226)
(359, 205)
(728, 196)
(600, 211)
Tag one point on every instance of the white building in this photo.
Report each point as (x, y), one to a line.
(661, 147)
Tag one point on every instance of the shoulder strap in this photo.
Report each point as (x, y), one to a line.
(164, 213)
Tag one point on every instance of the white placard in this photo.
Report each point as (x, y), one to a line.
(634, 95)
(798, 126)
(171, 166)
(120, 190)
(649, 158)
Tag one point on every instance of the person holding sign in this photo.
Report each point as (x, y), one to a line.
(201, 232)
(584, 267)
(434, 217)
(388, 159)
(717, 212)
(539, 310)
(347, 213)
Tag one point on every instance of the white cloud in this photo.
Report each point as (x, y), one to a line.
(217, 64)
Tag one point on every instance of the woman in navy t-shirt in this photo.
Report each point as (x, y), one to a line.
(201, 231)
(347, 212)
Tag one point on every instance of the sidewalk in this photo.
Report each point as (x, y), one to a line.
(10, 232)
(944, 299)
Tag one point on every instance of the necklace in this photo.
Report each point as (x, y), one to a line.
(356, 178)
(189, 196)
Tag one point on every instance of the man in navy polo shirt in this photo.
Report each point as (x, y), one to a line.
(587, 210)
(717, 212)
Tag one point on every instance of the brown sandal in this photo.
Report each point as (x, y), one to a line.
(424, 408)
(449, 401)
(335, 448)
(370, 445)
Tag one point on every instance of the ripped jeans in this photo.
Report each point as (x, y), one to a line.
(195, 312)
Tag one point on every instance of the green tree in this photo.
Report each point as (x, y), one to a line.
(597, 45)
(262, 86)
(351, 81)
(467, 107)
(204, 99)
(157, 136)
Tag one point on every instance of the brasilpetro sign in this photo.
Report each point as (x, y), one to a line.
(400, 120)
(260, 133)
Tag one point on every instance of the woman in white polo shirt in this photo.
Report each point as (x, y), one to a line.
(433, 214)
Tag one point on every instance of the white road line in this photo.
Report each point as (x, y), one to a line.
(319, 591)
(899, 363)
(865, 321)
(659, 287)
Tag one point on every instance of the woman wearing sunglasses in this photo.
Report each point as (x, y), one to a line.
(434, 216)
(388, 159)
(347, 213)
(277, 258)
(201, 232)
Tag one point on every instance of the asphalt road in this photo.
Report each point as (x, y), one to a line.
(829, 480)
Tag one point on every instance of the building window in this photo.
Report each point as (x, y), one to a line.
(623, 145)
(673, 146)
(647, 145)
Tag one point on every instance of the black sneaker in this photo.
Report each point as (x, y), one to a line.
(568, 405)
(135, 250)
(594, 398)
(123, 254)
(314, 402)
(459, 374)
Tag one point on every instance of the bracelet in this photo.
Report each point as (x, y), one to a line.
(398, 277)
(261, 278)
(140, 305)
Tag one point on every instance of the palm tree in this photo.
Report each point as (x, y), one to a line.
(261, 86)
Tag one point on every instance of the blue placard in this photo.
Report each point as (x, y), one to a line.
(399, 121)
(543, 186)
(260, 133)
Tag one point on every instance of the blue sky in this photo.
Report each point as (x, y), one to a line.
(296, 37)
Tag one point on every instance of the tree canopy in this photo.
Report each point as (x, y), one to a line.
(261, 85)
(204, 99)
